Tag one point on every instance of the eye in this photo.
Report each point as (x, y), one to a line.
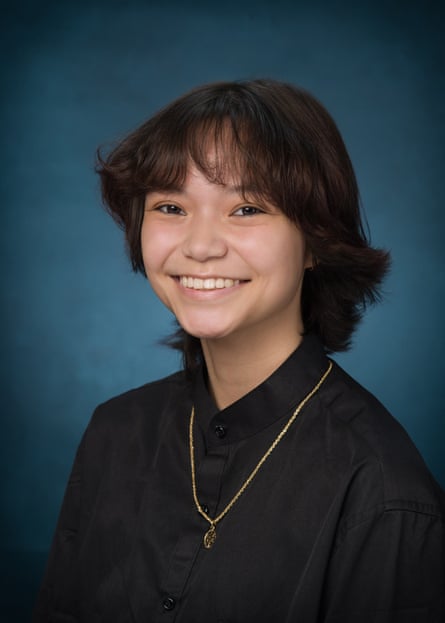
(170, 208)
(248, 211)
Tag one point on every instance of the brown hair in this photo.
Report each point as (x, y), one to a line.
(281, 142)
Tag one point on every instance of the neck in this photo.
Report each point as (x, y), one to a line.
(236, 366)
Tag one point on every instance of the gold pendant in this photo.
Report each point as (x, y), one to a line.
(210, 537)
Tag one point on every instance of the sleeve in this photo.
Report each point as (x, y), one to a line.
(388, 567)
(56, 599)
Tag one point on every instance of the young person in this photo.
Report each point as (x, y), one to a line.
(261, 483)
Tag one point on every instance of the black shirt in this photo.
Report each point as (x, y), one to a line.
(343, 522)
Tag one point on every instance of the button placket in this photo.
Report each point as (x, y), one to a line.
(209, 475)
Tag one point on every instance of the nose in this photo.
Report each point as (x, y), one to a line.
(204, 240)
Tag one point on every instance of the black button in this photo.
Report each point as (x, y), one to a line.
(205, 508)
(220, 431)
(169, 603)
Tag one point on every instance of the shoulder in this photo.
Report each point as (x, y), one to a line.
(138, 413)
(156, 394)
(383, 468)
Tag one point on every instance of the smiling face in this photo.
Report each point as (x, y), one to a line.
(224, 266)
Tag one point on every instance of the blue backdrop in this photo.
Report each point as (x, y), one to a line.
(78, 326)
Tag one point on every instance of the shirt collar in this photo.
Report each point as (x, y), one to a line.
(275, 398)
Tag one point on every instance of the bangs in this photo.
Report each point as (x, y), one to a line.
(226, 139)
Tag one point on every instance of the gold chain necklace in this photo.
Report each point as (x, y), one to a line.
(210, 535)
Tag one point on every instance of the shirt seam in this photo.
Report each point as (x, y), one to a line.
(396, 506)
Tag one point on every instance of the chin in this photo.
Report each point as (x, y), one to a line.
(205, 333)
(208, 335)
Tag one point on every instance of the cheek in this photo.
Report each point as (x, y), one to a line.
(281, 255)
(293, 250)
(156, 248)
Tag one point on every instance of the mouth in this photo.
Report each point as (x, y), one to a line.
(209, 283)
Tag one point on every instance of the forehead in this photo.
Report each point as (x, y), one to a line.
(227, 181)
(199, 193)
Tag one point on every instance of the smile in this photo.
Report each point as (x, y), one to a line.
(211, 283)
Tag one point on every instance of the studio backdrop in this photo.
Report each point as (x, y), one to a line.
(78, 326)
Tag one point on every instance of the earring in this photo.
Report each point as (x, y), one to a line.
(314, 264)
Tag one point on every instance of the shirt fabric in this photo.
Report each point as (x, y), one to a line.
(343, 522)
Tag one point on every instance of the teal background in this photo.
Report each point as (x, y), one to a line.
(78, 326)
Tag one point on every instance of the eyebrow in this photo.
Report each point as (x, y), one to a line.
(247, 190)
(238, 189)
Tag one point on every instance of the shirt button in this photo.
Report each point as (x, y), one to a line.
(220, 431)
(169, 603)
(205, 508)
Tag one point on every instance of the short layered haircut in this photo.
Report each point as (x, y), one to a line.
(280, 145)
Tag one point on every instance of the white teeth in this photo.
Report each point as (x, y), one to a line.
(207, 284)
